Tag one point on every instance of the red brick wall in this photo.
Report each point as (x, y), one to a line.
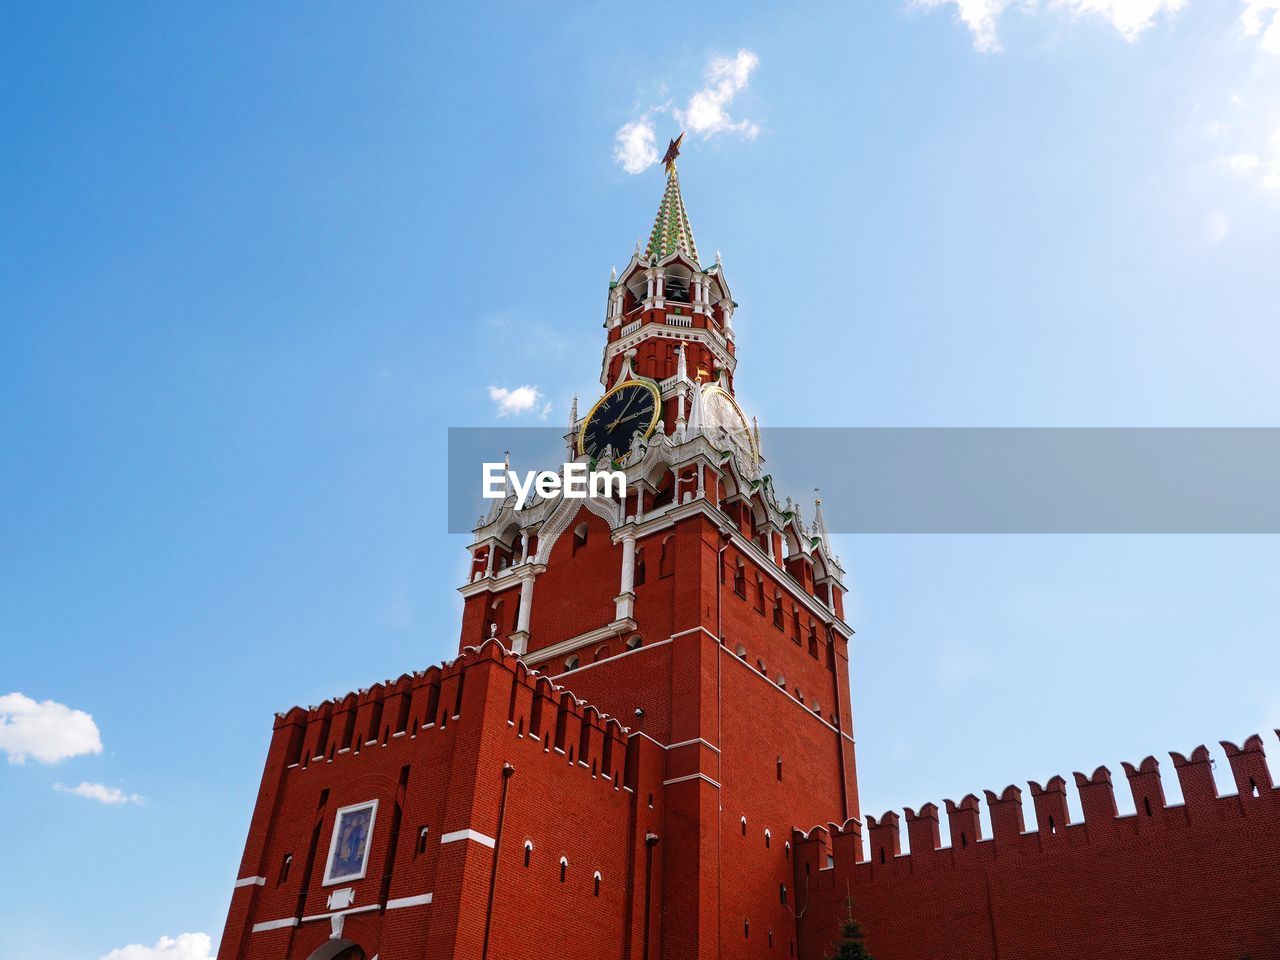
(1198, 879)
(445, 772)
(576, 592)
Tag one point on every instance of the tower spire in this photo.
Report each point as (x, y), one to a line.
(671, 229)
(820, 522)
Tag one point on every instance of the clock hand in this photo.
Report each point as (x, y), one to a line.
(624, 410)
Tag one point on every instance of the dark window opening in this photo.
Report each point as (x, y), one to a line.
(422, 840)
(284, 868)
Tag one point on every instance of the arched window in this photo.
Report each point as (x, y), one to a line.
(740, 579)
(422, 840)
(779, 769)
(782, 894)
(666, 559)
(564, 868)
(768, 839)
(741, 651)
(786, 850)
(596, 884)
(528, 852)
(744, 826)
(579, 536)
(782, 680)
(572, 662)
(777, 610)
(602, 651)
(760, 593)
(813, 641)
(284, 868)
(494, 623)
(634, 641)
(638, 579)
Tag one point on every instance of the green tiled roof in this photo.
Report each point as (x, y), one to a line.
(671, 230)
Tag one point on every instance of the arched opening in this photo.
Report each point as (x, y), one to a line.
(666, 557)
(579, 537)
(338, 950)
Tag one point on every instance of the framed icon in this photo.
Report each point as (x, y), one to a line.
(349, 846)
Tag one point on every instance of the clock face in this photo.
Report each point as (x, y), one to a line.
(724, 423)
(628, 408)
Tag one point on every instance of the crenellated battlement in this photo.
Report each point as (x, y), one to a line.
(831, 846)
(430, 700)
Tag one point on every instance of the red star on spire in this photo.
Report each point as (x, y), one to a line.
(673, 151)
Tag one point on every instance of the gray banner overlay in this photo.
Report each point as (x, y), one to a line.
(971, 480)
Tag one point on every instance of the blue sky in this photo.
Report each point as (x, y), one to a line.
(257, 261)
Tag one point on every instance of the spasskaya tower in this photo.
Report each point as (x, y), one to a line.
(651, 694)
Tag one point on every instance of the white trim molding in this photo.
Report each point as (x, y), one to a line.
(476, 835)
(613, 629)
(274, 925)
(251, 882)
(692, 776)
(399, 903)
(689, 743)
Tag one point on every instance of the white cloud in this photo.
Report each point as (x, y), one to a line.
(100, 792)
(707, 114)
(980, 16)
(1261, 18)
(185, 946)
(46, 731)
(1243, 162)
(1129, 17)
(516, 401)
(635, 146)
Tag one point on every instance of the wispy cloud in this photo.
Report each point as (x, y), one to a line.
(635, 145)
(1129, 17)
(46, 731)
(185, 946)
(708, 111)
(112, 796)
(517, 400)
(1247, 140)
(1261, 19)
(705, 114)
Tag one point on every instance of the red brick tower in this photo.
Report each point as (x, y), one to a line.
(651, 694)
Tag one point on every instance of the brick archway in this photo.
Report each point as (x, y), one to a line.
(338, 950)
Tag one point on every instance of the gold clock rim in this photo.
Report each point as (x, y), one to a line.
(714, 388)
(657, 408)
